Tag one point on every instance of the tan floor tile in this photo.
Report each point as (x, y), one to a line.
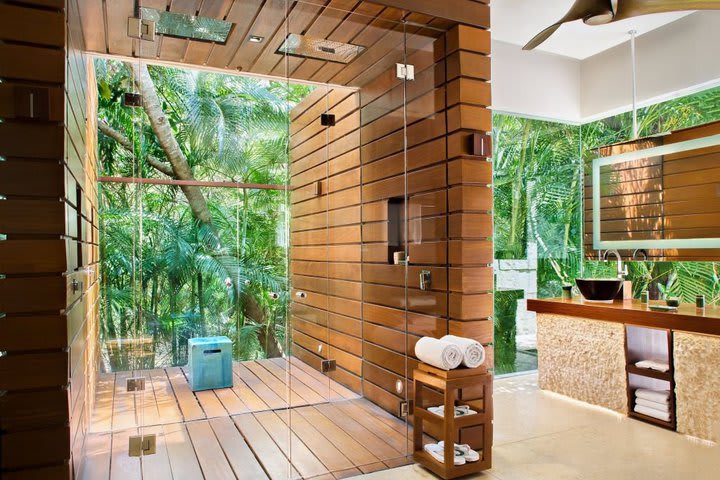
(543, 436)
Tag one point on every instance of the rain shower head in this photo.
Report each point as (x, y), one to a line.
(320, 49)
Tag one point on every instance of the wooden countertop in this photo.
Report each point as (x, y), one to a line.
(688, 318)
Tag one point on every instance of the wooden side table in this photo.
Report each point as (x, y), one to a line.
(464, 386)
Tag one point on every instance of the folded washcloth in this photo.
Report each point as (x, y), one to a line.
(651, 412)
(473, 352)
(438, 353)
(659, 396)
(658, 365)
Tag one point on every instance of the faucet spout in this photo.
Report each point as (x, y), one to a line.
(622, 270)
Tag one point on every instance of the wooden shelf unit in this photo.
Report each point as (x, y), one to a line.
(631, 358)
(472, 387)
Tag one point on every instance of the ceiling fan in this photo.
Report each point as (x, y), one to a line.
(600, 12)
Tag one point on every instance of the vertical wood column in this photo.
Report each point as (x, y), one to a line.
(470, 201)
(47, 239)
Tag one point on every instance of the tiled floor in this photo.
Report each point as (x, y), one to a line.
(540, 435)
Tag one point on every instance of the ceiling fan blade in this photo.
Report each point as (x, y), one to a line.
(542, 36)
(581, 9)
(636, 8)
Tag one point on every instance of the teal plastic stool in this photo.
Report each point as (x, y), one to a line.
(210, 363)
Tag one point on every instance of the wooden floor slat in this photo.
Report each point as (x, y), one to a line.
(183, 461)
(306, 463)
(332, 457)
(265, 448)
(156, 465)
(212, 459)
(245, 432)
(298, 386)
(361, 432)
(241, 457)
(351, 448)
(189, 405)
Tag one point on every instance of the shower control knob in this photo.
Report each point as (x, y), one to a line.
(301, 294)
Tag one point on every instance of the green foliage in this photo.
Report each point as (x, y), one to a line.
(165, 275)
(538, 187)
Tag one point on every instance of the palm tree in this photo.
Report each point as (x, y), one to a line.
(199, 248)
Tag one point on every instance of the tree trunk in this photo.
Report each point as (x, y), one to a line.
(166, 137)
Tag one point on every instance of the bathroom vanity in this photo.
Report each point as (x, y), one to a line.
(588, 350)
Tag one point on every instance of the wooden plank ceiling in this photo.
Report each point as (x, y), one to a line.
(374, 26)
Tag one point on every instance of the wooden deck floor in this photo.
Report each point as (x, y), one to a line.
(242, 432)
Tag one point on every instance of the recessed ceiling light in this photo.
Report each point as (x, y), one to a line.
(255, 39)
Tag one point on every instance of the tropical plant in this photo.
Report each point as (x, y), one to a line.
(538, 188)
(182, 260)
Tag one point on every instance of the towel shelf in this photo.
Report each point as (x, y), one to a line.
(472, 387)
(646, 372)
(645, 342)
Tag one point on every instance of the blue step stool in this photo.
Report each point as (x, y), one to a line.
(210, 363)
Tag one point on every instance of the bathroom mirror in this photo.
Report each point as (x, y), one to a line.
(656, 198)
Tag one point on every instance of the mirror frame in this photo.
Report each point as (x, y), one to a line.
(597, 163)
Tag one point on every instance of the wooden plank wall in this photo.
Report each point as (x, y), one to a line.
(325, 233)
(691, 194)
(340, 235)
(49, 291)
(671, 196)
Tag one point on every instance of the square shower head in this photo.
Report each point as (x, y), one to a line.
(320, 49)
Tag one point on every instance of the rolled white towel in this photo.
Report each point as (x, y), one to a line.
(653, 395)
(651, 412)
(438, 353)
(473, 352)
(658, 365)
(664, 406)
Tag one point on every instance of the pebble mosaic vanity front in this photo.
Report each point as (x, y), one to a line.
(590, 351)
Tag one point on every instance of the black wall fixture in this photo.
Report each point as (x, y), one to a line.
(327, 119)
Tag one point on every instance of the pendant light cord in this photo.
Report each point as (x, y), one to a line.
(633, 33)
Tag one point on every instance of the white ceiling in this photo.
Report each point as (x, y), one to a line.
(517, 21)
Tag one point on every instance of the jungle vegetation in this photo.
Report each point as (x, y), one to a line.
(183, 261)
(538, 178)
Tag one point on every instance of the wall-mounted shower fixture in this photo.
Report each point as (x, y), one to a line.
(320, 49)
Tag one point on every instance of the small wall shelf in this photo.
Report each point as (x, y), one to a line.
(472, 387)
(642, 343)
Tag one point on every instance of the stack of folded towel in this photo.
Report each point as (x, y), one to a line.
(653, 403)
(450, 352)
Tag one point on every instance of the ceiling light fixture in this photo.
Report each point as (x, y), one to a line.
(255, 39)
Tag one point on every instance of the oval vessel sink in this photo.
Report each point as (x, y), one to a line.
(599, 288)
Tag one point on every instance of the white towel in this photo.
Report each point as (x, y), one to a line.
(658, 365)
(437, 353)
(472, 351)
(663, 407)
(651, 412)
(654, 395)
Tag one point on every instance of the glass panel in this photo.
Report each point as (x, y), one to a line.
(538, 243)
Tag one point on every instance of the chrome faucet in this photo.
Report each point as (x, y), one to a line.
(622, 270)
